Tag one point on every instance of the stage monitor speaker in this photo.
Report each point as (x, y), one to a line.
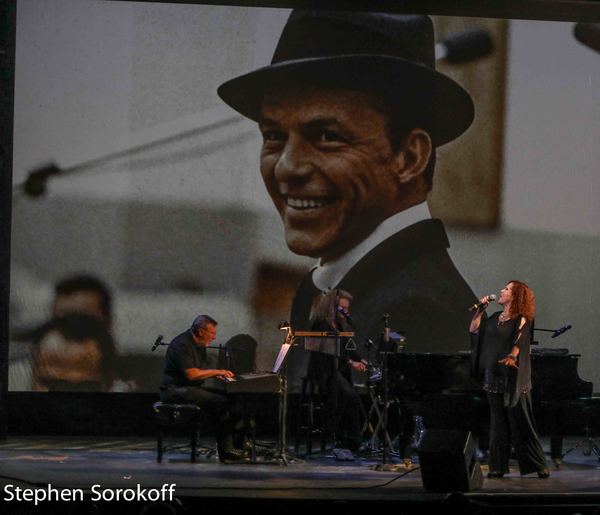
(447, 461)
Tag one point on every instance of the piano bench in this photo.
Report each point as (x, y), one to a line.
(179, 418)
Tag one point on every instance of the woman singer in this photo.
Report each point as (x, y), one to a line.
(502, 342)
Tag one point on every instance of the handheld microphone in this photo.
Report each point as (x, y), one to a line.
(344, 312)
(157, 342)
(563, 329)
(37, 181)
(491, 297)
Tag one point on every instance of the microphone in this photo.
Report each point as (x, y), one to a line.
(588, 34)
(491, 297)
(563, 329)
(157, 342)
(463, 47)
(37, 181)
(344, 312)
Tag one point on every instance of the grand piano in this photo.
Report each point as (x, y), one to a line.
(442, 389)
(554, 373)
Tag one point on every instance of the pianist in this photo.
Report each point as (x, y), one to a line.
(502, 342)
(186, 369)
(334, 375)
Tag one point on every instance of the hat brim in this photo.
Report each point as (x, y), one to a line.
(445, 108)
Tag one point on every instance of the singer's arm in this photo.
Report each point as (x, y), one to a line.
(476, 320)
(356, 362)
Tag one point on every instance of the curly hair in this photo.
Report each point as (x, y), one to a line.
(523, 300)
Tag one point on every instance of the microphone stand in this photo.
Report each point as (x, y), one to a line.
(228, 358)
(384, 466)
(381, 417)
(283, 402)
(555, 332)
(370, 392)
(386, 447)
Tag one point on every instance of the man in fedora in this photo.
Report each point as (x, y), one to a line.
(351, 111)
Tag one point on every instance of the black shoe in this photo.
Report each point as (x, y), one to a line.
(362, 450)
(343, 454)
(495, 475)
(544, 474)
(233, 456)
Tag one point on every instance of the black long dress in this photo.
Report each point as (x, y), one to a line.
(508, 394)
(334, 378)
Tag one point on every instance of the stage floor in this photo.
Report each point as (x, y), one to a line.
(112, 463)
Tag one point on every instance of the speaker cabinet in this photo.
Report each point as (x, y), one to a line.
(447, 461)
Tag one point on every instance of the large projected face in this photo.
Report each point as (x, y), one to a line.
(180, 207)
(328, 165)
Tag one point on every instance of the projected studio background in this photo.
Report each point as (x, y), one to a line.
(162, 200)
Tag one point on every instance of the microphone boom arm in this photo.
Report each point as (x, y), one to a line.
(555, 332)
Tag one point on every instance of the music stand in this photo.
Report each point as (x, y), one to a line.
(280, 368)
(325, 342)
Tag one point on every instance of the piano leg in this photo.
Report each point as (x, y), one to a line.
(557, 414)
(252, 426)
(556, 446)
(406, 433)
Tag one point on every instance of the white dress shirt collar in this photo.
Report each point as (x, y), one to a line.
(327, 276)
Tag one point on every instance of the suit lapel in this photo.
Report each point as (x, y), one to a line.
(395, 252)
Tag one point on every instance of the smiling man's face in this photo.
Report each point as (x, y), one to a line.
(327, 163)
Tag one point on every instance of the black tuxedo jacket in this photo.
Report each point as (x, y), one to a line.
(411, 277)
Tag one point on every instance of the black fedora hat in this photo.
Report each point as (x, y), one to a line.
(388, 54)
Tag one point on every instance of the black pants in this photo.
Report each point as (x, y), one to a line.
(342, 410)
(401, 425)
(226, 417)
(518, 423)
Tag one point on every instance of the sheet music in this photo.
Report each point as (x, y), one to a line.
(322, 344)
(280, 357)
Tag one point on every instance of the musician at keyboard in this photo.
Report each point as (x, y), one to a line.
(334, 375)
(185, 371)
